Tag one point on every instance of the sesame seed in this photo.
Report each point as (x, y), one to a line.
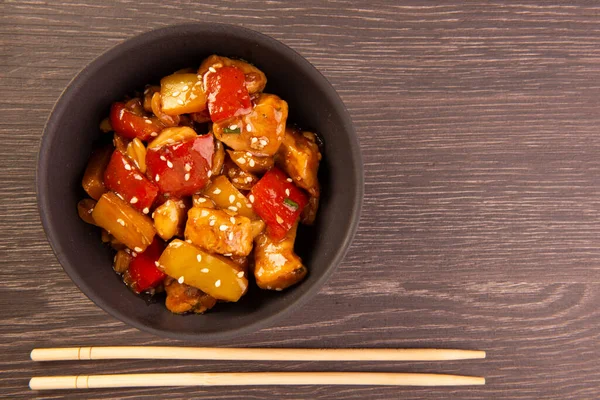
(147, 121)
(138, 177)
(238, 204)
(180, 102)
(119, 196)
(188, 241)
(253, 140)
(249, 205)
(139, 250)
(260, 271)
(248, 179)
(133, 253)
(240, 274)
(217, 191)
(241, 161)
(212, 222)
(175, 244)
(188, 167)
(181, 205)
(204, 270)
(252, 163)
(230, 236)
(156, 263)
(146, 210)
(263, 142)
(218, 283)
(278, 289)
(199, 257)
(227, 254)
(231, 198)
(169, 164)
(180, 280)
(157, 178)
(175, 94)
(223, 227)
(211, 69)
(186, 87)
(234, 126)
(128, 167)
(278, 219)
(232, 208)
(133, 200)
(249, 127)
(120, 221)
(154, 134)
(269, 287)
(287, 192)
(251, 197)
(187, 176)
(209, 174)
(163, 158)
(203, 213)
(289, 180)
(153, 214)
(232, 220)
(201, 200)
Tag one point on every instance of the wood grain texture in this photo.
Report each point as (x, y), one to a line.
(480, 230)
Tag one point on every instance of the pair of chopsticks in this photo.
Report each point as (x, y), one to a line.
(250, 378)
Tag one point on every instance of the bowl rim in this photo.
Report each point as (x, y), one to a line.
(49, 132)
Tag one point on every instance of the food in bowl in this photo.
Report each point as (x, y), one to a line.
(204, 183)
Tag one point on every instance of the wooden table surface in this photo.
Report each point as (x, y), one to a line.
(479, 127)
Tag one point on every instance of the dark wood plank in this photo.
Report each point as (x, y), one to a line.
(478, 125)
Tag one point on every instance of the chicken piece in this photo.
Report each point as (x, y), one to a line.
(255, 79)
(260, 132)
(276, 265)
(240, 179)
(299, 157)
(182, 298)
(93, 178)
(218, 231)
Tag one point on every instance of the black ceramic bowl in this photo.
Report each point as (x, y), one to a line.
(73, 127)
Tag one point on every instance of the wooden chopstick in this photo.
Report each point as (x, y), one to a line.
(270, 354)
(250, 379)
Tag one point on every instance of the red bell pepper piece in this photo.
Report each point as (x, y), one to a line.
(181, 169)
(131, 125)
(143, 273)
(123, 177)
(227, 93)
(278, 202)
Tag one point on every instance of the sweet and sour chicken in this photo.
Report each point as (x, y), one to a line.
(204, 181)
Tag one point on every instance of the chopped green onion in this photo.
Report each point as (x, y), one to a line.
(228, 130)
(290, 203)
